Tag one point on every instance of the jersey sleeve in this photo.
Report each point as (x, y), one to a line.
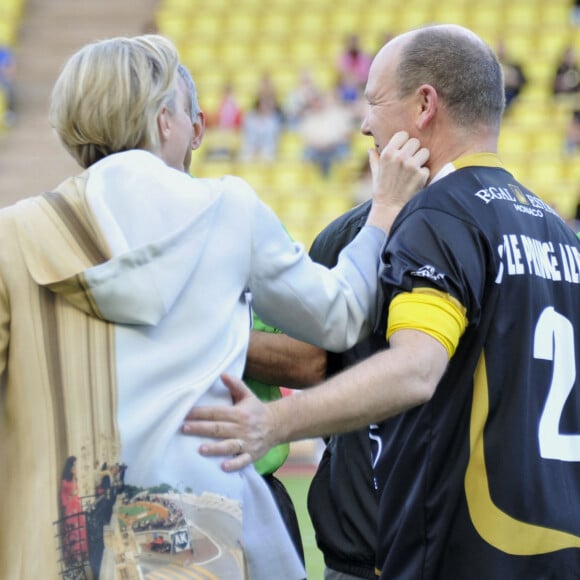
(432, 249)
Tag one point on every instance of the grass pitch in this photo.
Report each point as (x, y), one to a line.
(297, 484)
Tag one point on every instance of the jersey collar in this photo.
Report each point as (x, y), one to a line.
(484, 159)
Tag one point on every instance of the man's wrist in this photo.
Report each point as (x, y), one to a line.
(278, 428)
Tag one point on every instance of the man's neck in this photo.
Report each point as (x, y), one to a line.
(447, 151)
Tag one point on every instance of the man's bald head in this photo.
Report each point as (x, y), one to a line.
(461, 67)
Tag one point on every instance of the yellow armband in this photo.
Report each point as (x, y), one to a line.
(437, 314)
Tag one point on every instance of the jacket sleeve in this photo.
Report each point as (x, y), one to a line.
(330, 308)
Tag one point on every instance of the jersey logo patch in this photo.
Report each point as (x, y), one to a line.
(518, 194)
(428, 272)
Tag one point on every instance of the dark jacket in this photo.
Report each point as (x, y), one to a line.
(341, 501)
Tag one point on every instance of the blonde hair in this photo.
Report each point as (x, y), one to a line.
(108, 96)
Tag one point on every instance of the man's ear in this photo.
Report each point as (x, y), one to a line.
(427, 108)
(198, 130)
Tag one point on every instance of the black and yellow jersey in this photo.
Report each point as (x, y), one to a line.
(483, 481)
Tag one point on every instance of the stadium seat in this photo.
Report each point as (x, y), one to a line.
(270, 52)
(409, 16)
(550, 45)
(548, 140)
(235, 54)
(449, 12)
(306, 52)
(571, 167)
(276, 24)
(240, 26)
(291, 146)
(343, 20)
(555, 13)
(517, 164)
(205, 24)
(198, 55)
(332, 201)
(513, 140)
(311, 23)
(259, 176)
(485, 16)
(548, 171)
(201, 167)
(521, 16)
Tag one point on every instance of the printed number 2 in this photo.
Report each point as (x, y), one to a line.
(554, 341)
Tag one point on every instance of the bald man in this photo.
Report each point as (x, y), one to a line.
(477, 448)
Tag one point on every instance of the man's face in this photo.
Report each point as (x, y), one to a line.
(386, 113)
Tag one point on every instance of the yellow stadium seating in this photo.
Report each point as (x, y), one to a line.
(276, 25)
(555, 13)
(571, 168)
(291, 146)
(547, 139)
(239, 26)
(449, 12)
(521, 15)
(283, 37)
(343, 20)
(550, 169)
(485, 15)
(173, 23)
(513, 140)
(517, 164)
(311, 23)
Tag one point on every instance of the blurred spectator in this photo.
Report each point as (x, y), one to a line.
(348, 88)
(326, 131)
(261, 129)
(7, 73)
(262, 125)
(567, 77)
(267, 90)
(300, 99)
(572, 144)
(224, 124)
(353, 69)
(349, 93)
(514, 77)
(575, 14)
(229, 113)
(354, 63)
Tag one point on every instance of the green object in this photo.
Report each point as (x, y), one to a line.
(265, 392)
